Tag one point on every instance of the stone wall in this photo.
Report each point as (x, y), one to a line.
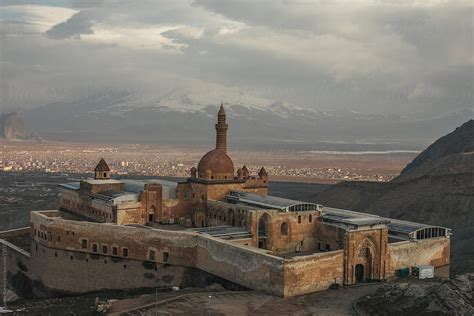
(131, 213)
(87, 188)
(75, 203)
(56, 272)
(18, 263)
(252, 268)
(220, 213)
(330, 237)
(434, 251)
(284, 232)
(313, 273)
(62, 264)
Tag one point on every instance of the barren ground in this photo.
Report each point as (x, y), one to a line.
(332, 302)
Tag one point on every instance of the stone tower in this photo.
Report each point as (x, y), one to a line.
(216, 164)
(102, 170)
(221, 129)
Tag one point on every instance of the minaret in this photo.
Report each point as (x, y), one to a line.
(221, 130)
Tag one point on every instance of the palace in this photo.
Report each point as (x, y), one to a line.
(220, 225)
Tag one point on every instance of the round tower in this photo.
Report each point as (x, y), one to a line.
(221, 129)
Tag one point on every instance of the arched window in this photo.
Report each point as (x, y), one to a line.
(284, 229)
(299, 219)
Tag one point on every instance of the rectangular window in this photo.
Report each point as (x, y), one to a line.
(299, 219)
(151, 255)
(125, 252)
(327, 247)
(166, 256)
(320, 246)
(94, 248)
(104, 249)
(84, 243)
(114, 251)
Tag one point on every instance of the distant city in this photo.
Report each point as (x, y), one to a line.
(135, 160)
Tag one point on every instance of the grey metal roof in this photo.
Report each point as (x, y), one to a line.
(397, 229)
(168, 187)
(116, 197)
(70, 186)
(224, 232)
(267, 202)
(101, 181)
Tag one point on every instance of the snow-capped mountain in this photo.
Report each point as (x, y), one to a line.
(187, 117)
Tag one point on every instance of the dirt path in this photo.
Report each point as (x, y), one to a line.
(337, 302)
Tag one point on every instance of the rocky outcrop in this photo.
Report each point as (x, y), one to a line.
(414, 297)
(13, 128)
(459, 141)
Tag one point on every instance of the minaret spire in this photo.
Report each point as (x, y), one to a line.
(221, 129)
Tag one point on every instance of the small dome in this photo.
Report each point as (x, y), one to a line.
(219, 163)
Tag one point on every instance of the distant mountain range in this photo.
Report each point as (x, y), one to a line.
(13, 128)
(187, 117)
(437, 188)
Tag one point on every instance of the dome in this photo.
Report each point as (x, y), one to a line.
(218, 163)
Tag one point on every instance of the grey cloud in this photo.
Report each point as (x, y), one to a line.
(378, 57)
(77, 25)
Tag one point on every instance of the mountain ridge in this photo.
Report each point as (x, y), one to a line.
(127, 116)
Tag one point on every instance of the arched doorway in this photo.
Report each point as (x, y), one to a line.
(359, 273)
(151, 214)
(364, 261)
(263, 226)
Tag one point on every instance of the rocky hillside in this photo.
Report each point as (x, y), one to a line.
(451, 297)
(436, 188)
(12, 127)
(459, 141)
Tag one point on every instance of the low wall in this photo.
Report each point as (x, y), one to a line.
(433, 251)
(313, 273)
(240, 264)
(18, 262)
(14, 232)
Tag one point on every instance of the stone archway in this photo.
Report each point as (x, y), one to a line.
(365, 260)
(263, 231)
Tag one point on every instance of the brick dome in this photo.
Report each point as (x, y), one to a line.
(218, 163)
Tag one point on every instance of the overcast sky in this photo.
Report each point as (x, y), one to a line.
(385, 56)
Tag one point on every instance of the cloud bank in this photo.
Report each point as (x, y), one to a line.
(400, 57)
